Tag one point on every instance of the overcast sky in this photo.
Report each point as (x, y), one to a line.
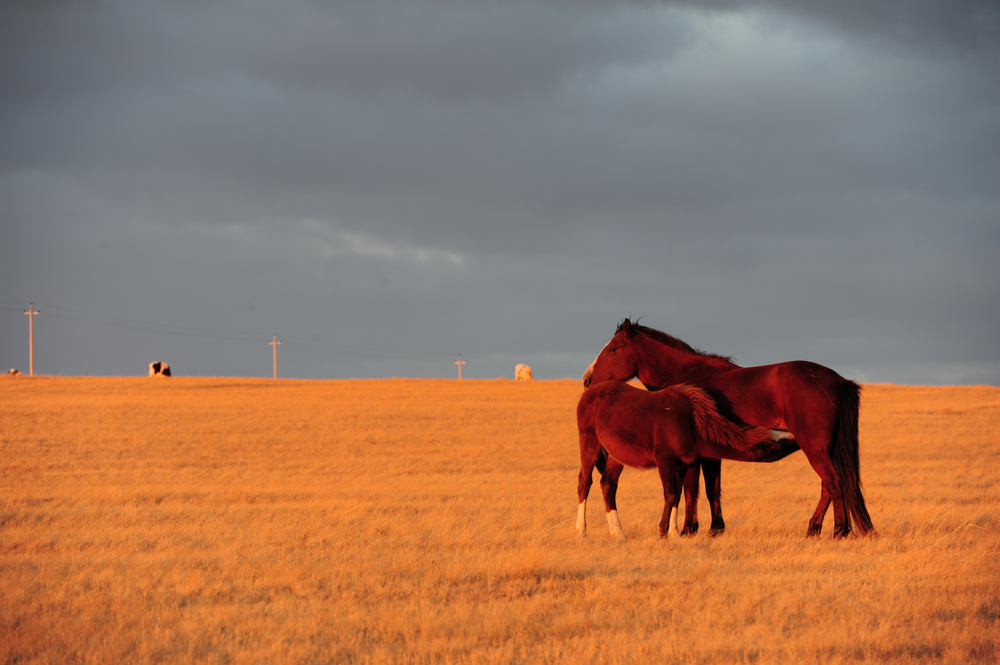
(387, 184)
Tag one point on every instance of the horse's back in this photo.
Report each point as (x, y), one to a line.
(778, 395)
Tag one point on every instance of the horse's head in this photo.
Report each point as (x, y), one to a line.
(617, 361)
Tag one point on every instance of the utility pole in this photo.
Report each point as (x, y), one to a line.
(275, 342)
(460, 362)
(31, 312)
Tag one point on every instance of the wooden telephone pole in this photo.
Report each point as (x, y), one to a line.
(460, 362)
(274, 343)
(31, 312)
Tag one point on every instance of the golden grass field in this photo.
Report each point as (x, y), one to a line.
(256, 521)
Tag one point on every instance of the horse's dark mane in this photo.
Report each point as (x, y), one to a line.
(672, 341)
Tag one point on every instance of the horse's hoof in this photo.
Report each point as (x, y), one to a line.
(716, 532)
(813, 531)
(841, 533)
(689, 532)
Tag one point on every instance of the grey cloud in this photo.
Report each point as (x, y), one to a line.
(964, 25)
(387, 184)
(451, 52)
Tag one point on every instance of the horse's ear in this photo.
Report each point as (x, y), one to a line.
(627, 328)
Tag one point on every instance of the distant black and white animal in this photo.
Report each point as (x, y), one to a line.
(159, 369)
(14, 372)
(522, 373)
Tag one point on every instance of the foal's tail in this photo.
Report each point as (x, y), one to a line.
(715, 428)
(844, 455)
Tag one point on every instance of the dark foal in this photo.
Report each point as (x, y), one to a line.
(668, 430)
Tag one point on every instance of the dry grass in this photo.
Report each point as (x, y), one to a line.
(246, 521)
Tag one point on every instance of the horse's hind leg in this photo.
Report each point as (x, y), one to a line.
(609, 486)
(712, 468)
(691, 488)
(816, 521)
(831, 494)
(670, 475)
(841, 525)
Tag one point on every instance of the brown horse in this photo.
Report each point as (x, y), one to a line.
(816, 404)
(621, 425)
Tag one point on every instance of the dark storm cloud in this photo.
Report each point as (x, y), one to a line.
(389, 179)
(965, 25)
(439, 50)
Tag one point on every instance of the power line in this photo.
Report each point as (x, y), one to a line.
(123, 323)
(340, 347)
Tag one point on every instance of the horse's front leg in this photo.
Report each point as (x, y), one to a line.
(712, 468)
(584, 482)
(590, 451)
(692, 484)
(609, 486)
(670, 470)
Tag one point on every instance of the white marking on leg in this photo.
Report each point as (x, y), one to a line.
(672, 525)
(614, 525)
(581, 518)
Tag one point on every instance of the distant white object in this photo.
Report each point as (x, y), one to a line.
(522, 373)
(159, 369)
(14, 372)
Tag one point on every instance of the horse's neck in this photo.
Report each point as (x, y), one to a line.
(662, 366)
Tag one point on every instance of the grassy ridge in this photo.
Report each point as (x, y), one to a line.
(239, 520)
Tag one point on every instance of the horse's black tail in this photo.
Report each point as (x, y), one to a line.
(844, 454)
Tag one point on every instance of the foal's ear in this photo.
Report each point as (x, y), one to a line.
(627, 328)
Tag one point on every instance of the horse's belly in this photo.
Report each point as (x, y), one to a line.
(629, 454)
